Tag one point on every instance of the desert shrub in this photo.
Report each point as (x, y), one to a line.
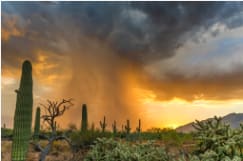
(60, 146)
(116, 150)
(208, 156)
(213, 135)
(217, 142)
(168, 136)
(172, 137)
(6, 133)
(86, 138)
(72, 127)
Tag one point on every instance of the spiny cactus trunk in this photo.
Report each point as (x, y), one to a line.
(23, 115)
(84, 124)
(37, 124)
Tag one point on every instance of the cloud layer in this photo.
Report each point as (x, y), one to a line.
(99, 53)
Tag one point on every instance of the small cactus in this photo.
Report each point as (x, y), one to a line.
(37, 124)
(103, 125)
(84, 124)
(114, 127)
(138, 129)
(127, 127)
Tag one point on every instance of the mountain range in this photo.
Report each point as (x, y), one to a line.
(233, 119)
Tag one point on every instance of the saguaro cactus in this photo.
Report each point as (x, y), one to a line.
(84, 123)
(103, 125)
(23, 114)
(37, 124)
(114, 127)
(138, 129)
(127, 127)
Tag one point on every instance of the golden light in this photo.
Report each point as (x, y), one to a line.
(145, 96)
(175, 100)
(172, 126)
(176, 112)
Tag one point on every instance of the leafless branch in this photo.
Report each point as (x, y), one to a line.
(54, 109)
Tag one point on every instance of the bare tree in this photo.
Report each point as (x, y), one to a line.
(52, 111)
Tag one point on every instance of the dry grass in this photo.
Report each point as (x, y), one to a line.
(6, 150)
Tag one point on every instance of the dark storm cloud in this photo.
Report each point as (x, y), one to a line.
(140, 31)
(109, 44)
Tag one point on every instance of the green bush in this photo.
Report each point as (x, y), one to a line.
(217, 142)
(6, 133)
(116, 150)
(168, 136)
(85, 138)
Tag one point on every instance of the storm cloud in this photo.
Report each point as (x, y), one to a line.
(139, 31)
(101, 51)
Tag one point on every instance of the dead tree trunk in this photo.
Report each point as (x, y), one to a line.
(53, 110)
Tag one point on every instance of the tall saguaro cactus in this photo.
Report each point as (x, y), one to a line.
(84, 124)
(37, 124)
(23, 114)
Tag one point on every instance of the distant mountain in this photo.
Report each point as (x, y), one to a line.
(233, 119)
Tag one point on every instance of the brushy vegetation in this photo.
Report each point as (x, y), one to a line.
(216, 141)
(6, 133)
(168, 136)
(112, 150)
